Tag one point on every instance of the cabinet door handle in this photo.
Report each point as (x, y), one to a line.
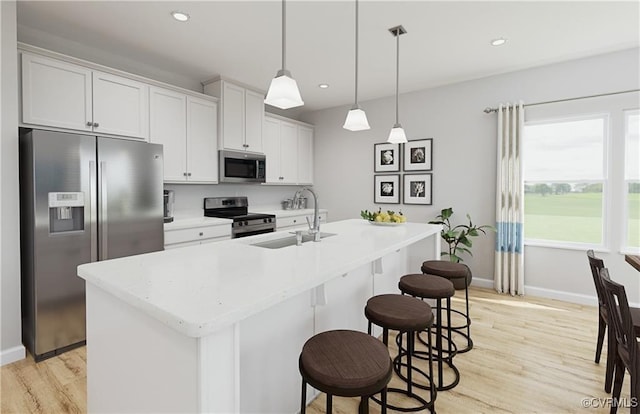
(96, 125)
(184, 173)
(201, 234)
(89, 123)
(188, 174)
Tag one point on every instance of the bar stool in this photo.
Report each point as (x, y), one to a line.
(347, 364)
(437, 288)
(461, 276)
(408, 316)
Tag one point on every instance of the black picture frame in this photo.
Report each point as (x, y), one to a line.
(386, 157)
(418, 189)
(386, 189)
(418, 155)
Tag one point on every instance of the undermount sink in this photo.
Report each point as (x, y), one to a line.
(288, 241)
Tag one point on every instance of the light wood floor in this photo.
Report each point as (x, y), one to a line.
(530, 356)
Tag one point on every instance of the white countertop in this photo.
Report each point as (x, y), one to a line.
(187, 222)
(200, 289)
(287, 213)
(191, 222)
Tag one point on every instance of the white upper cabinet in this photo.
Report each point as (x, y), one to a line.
(305, 155)
(241, 116)
(64, 95)
(120, 106)
(202, 140)
(56, 93)
(168, 127)
(254, 114)
(289, 151)
(186, 126)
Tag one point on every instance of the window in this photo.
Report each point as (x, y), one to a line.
(565, 180)
(632, 179)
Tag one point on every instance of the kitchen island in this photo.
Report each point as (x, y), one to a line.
(219, 327)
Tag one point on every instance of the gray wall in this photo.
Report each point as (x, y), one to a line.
(464, 157)
(11, 348)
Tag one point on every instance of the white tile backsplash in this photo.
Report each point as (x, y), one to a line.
(189, 197)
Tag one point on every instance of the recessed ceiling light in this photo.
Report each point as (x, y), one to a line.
(180, 16)
(323, 86)
(499, 41)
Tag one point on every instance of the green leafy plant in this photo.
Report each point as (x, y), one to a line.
(458, 237)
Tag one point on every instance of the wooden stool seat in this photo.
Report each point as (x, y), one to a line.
(399, 313)
(458, 273)
(436, 288)
(345, 363)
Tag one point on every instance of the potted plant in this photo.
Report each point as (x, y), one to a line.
(459, 237)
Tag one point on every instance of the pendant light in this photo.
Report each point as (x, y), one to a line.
(283, 92)
(397, 135)
(356, 118)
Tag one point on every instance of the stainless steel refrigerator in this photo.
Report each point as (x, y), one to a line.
(82, 199)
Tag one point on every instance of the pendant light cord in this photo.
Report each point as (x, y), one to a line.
(397, 70)
(284, 33)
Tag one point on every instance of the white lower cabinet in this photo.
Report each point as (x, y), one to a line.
(196, 235)
(299, 221)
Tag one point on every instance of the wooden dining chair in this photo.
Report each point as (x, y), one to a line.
(596, 265)
(620, 321)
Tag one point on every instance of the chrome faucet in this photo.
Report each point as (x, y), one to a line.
(315, 229)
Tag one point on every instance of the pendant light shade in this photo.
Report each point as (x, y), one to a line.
(283, 91)
(356, 120)
(356, 117)
(397, 135)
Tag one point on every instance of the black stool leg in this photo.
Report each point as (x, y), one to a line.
(303, 402)
(439, 340)
(410, 346)
(329, 403)
(466, 297)
(364, 405)
(432, 388)
(384, 401)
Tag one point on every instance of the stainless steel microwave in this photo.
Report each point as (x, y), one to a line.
(242, 167)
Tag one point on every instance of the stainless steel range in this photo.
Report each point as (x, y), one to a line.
(236, 208)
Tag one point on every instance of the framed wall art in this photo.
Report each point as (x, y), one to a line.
(386, 157)
(386, 189)
(418, 189)
(418, 155)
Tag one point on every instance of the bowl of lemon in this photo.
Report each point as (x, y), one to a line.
(383, 218)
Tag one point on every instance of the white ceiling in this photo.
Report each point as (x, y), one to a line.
(447, 41)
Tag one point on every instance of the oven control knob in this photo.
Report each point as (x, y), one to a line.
(239, 223)
(246, 223)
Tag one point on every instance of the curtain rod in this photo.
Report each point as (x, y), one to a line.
(488, 110)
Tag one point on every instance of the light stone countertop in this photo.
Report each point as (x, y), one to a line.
(198, 290)
(192, 222)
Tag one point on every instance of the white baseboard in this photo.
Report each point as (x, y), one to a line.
(545, 293)
(14, 354)
(578, 298)
(483, 283)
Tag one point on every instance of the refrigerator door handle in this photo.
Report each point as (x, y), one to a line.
(93, 211)
(102, 222)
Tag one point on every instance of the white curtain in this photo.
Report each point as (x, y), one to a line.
(509, 261)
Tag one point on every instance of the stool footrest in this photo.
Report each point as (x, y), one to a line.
(424, 404)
